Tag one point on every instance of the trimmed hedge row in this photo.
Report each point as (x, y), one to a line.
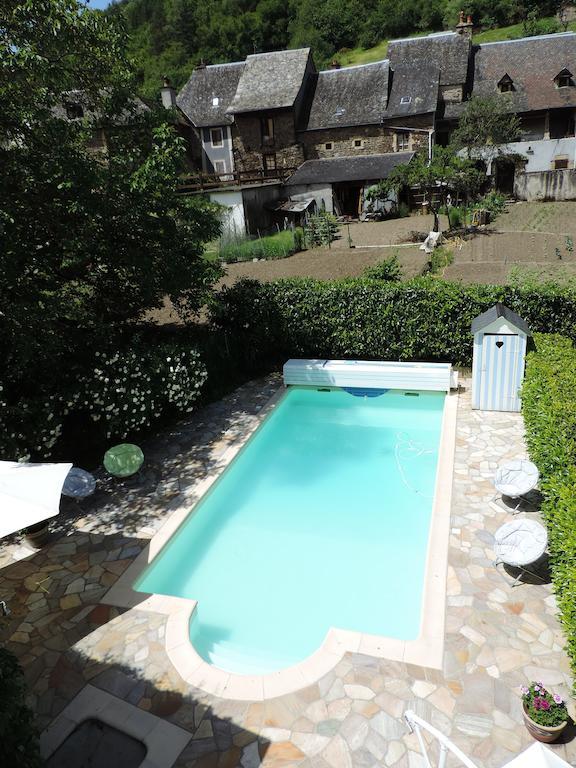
(549, 409)
(422, 319)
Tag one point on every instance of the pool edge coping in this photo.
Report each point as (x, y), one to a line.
(427, 650)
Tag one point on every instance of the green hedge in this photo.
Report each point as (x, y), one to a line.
(549, 408)
(18, 735)
(422, 319)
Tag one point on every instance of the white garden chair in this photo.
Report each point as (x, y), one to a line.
(536, 756)
(520, 543)
(516, 478)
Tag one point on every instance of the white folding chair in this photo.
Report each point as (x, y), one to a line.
(520, 543)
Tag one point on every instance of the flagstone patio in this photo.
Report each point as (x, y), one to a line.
(497, 637)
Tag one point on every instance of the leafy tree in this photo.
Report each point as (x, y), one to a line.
(176, 34)
(89, 240)
(445, 173)
(486, 126)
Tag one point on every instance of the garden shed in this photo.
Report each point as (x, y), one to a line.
(500, 339)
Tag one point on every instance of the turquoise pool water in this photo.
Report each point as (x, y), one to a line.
(321, 521)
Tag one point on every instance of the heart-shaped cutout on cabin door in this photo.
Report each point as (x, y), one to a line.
(499, 344)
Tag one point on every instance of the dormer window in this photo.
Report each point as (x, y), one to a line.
(74, 111)
(564, 79)
(215, 101)
(506, 84)
(406, 100)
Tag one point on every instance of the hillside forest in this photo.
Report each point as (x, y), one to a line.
(170, 37)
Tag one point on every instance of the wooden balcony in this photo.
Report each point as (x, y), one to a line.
(201, 182)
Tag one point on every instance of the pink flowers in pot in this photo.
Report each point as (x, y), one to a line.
(542, 706)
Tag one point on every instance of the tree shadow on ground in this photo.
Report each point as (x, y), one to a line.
(65, 638)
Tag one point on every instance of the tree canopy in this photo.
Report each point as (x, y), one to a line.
(170, 37)
(444, 173)
(485, 127)
(90, 239)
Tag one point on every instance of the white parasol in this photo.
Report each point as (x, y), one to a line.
(29, 493)
(537, 756)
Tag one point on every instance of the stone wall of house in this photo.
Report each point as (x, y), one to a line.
(248, 148)
(359, 140)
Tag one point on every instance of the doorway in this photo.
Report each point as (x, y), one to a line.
(348, 199)
(504, 170)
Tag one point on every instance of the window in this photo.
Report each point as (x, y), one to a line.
(216, 137)
(564, 79)
(269, 163)
(219, 167)
(267, 129)
(560, 163)
(215, 101)
(358, 143)
(406, 100)
(73, 110)
(402, 142)
(506, 84)
(561, 123)
(328, 145)
(97, 140)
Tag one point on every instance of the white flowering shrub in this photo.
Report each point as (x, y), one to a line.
(123, 391)
(128, 390)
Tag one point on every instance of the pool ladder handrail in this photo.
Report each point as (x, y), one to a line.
(416, 724)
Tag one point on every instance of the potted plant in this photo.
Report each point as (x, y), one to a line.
(545, 714)
(37, 535)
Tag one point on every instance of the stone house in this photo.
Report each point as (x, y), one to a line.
(534, 77)
(260, 121)
(79, 105)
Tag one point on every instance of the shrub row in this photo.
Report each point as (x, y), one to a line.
(549, 409)
(422, 319)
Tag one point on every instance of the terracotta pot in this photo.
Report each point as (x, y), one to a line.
(544, 733)
(37, 535)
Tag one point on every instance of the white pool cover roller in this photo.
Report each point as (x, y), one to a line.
(369, 374)
(520, 542)
(516, 478)
(29, 493)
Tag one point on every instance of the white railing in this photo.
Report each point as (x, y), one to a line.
(417, 725)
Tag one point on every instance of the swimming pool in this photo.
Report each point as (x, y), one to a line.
(321, 521)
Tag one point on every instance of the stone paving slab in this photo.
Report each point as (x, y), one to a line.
(497, 637)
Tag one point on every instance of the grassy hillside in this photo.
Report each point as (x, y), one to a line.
(359, 55)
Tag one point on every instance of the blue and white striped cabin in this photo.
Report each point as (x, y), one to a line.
(500, 338)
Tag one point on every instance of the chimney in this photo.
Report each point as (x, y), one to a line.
(201, 65)
(465, 25)
(334, 64)
(168, 93)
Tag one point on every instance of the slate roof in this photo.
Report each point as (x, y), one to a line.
(335, 169)
(217, 81)
(350, 96)
(414, 90)
(499, 310)
(447, 52)
(270, 80)
(532, 63)
(370, 94)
